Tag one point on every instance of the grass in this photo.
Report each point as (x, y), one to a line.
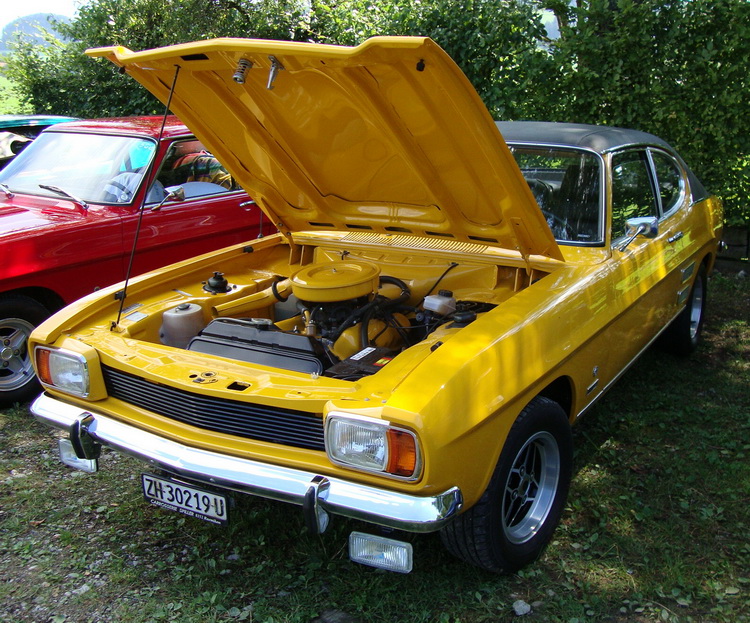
(656, 527)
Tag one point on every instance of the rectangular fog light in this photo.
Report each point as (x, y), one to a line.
(68, 456)
(377, 551)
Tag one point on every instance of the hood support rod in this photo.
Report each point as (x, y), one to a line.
(150, 173)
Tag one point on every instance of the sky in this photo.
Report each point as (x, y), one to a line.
(13, 10)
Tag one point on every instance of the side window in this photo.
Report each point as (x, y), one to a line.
(670, 180)
(189, 165)
(632, 191)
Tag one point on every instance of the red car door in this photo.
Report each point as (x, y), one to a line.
(214, 213)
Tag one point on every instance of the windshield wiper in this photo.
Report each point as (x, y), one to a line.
(65, 193)
(8, 192)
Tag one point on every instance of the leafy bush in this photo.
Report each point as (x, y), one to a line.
(495, 42)
(677, 68)
(60, 79)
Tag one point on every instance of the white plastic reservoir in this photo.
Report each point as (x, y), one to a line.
(442, 303)
(181, 324)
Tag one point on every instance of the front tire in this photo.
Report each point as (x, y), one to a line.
(516, 516)
(19, 315)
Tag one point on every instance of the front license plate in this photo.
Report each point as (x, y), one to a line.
(184, 499)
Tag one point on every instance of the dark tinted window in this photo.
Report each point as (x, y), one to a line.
(567, 186)
(632, 190)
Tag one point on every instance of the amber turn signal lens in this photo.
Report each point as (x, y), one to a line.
(402, 453)
(42, 365)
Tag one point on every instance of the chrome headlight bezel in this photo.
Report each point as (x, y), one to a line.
(58, 368)
(381, 444)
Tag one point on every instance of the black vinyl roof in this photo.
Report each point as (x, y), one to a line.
(599, 138)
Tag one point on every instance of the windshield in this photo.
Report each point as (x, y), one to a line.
(567, 186)
(96, 168)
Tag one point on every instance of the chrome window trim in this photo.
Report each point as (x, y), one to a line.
(602, 188)
(649, 151)
(643, 148)
(683, 181)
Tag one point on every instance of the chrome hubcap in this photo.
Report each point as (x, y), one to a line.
(696, 308)
(531, 486)
(15, 364)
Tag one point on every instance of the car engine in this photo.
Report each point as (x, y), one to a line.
(342, 319)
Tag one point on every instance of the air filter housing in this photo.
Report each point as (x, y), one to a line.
(335, 281)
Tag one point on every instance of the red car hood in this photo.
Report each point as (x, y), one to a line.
(29, 214)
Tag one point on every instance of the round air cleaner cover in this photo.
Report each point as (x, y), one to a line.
(335, 281)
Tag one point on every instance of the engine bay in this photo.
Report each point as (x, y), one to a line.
(339, 319)
(323, 311)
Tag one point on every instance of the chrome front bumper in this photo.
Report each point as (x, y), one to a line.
(317, 494)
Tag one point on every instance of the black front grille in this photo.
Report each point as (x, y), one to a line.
(288, 427)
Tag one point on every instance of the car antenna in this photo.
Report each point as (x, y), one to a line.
(121, 294)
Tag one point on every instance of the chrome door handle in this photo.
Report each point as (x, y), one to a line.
(675, 238)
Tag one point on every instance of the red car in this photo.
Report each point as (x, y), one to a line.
(70, 205)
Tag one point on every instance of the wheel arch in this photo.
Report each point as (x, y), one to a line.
(560, 391)
(44, 296)
(472, 534)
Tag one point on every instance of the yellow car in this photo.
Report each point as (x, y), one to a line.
(444, 297)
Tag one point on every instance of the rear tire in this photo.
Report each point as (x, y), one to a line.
(19, 315)
(516, 516)
(683, 335)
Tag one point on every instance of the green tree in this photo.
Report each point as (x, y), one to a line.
(60, 79)
(495, 42)
(676, 68)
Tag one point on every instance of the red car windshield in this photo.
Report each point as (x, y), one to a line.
(95, 168)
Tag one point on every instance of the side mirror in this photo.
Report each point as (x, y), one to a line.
(646, 226)
(172, 193)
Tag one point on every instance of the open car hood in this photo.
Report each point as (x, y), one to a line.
(387, 137)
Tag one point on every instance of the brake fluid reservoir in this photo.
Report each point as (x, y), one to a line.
(441, 303)
(180, 324)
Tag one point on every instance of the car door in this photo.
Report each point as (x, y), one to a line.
(214, 213)
(650, 271)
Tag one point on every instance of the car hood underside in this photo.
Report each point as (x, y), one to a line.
(387, 137)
